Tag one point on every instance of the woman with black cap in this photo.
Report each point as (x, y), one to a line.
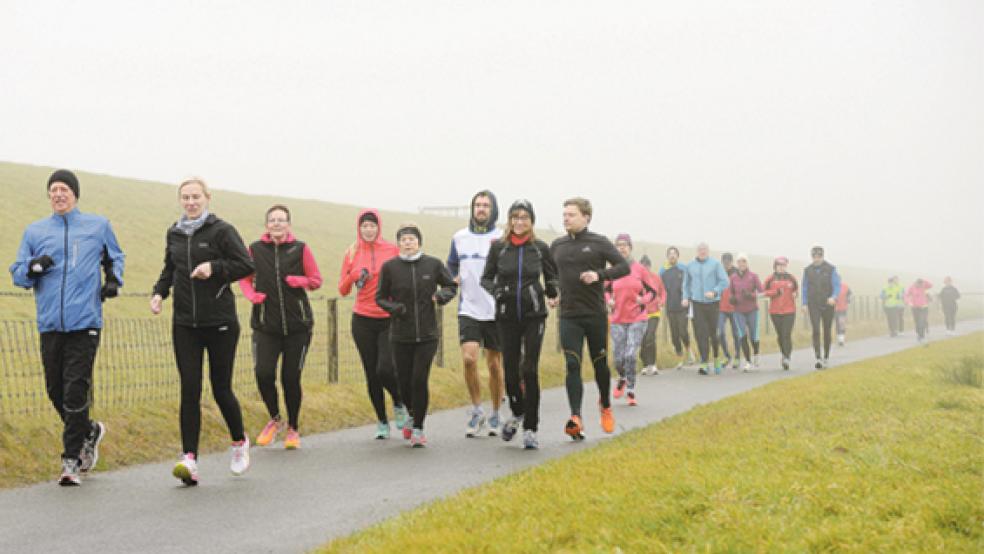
(781, 288)
(408, 290)
(513, 271)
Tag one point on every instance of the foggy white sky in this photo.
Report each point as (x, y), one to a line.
(761, 126)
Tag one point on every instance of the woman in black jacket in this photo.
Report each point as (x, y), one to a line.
(408, 289)
(512, 276)
(281, 319)
(203, 256)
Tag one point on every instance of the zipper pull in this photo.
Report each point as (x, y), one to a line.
(221, 290)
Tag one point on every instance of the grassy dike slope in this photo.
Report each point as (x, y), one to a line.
(884, 455)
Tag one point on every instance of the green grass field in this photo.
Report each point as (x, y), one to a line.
(879, 456)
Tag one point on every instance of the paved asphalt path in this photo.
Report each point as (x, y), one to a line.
(343, 481)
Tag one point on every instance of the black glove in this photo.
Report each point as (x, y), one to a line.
(37, 266)
(399, 310)
(747, 295)
(111, 289)
(363, 277)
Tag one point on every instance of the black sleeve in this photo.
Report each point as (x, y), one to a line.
(551, 281)
(163, 285)
(491, 268)
(619, 266)
(448, 287)
(383, 290)
(236, 262)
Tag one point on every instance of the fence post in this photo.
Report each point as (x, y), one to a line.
(333, 340)
(439, 357)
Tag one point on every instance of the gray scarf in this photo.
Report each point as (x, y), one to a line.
(189, 226)
(413, 258)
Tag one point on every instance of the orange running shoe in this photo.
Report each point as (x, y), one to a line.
(293, 439)
(269, 432)
(574, 428)
(607, 420)
(630, 394)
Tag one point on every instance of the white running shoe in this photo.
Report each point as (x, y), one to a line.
(653, 370)
(840, 340)
(747, 367)
(529, 440)
(476, 422)
(755, 360)
(89, 454)
(240, 457)
(70, 473)
(187, 470)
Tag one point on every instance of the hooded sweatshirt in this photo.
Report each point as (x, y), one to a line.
(366, 258)
(466, 259)
(630, 295)
(916, 296)
(744, 288)
(781, 289)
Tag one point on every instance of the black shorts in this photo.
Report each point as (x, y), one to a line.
(484, 333)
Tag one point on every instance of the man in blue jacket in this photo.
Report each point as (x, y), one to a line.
(704, 282)
(60, 258)
(820, 286)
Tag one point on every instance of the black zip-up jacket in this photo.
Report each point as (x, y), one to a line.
(209, 302)
(577, 253)
(286, 310)
(819, 283)
(949, 296)
(673, 283)
(512, 276)
(405, 291)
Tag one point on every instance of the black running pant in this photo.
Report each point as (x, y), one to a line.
(291, 350)
(821, 313)
(678, 331)
(950, 316)
(921, 318)
(648, 350)
(784, 332)
(413, 365)
(189, 346)
(67, 360)
(705, 327)
(573, 333)
(894, 315)
(371, 336)
(521, 342)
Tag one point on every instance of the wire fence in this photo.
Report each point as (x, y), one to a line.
(135, 363)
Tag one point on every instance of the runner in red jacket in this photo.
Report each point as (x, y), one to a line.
(782, 289)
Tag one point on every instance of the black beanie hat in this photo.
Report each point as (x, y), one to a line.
(411, 229)
(525, 205)
(645, 261)
(67, 177)
(727, 257)
(816, 251)
(368, 216)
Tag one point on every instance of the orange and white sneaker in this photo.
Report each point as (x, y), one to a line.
(269, 432)
(293, 439)
(574, 428)
(607, 420)
(619, 388)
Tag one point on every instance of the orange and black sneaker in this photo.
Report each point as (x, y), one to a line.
(574, 428)
(607, 420)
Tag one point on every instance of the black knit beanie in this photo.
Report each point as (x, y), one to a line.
(67, 177)
(411, 229)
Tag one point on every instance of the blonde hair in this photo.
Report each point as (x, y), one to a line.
(195, 181)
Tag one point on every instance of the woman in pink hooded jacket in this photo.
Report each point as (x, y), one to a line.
(628, 298)
(918, 299)
(370, 323)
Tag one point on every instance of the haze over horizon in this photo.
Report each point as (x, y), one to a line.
(766, 127)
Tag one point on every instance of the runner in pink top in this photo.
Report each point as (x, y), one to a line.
(627, 299)
(647, 353)
(918, 299)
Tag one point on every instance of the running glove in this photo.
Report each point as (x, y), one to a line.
(110, 289)
(37, 266)
(296, 281)
(363, 277)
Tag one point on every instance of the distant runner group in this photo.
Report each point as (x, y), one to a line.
(507, 281)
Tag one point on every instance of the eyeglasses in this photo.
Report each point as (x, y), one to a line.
(278, 220)
(520, 218)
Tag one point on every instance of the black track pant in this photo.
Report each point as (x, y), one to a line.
(521, 342)
(920, 316)
(371, 336)
(950, 316)
(705, 327)
(413, 365)
(648, 350)
(68, 359)
(291, 350)
(573, 332)
(784, 332)
(821, 313)
(189, 346)
(678, 331)
(894, 315)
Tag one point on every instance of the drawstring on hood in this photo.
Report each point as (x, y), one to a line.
(482, 228)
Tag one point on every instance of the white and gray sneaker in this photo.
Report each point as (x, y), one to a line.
(240, 457)
(755, 360)
(510, 427)
(747, 367)
(494, 423)
(89, 454)
(70, 473)
(529, 440)
(819, 364)
(476, 422)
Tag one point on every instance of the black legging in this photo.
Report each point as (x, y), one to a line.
(784, 332)
(371, 336)
(573, 332)
(678, 331)
(920, 316)
(521, 343)
(292, 350)
(67, 360)
(705, 328)
(648, 350)
(413, 365)
(189, 345)
(818, 313)
(950, 316)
